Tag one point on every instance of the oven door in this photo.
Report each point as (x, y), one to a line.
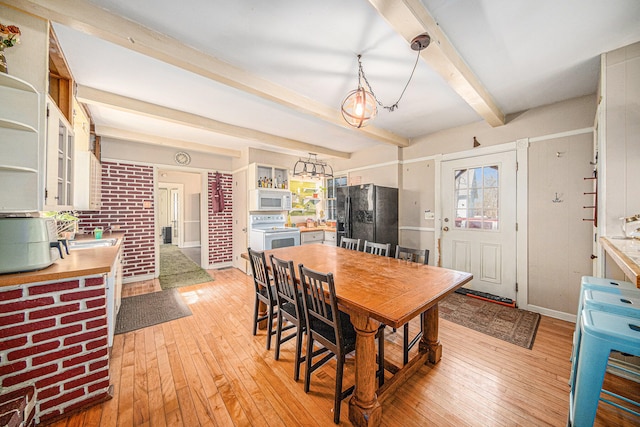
(281, 239)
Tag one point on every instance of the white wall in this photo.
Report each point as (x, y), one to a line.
(559, 239)
(554, 229)
(620, 149)
(116, 149)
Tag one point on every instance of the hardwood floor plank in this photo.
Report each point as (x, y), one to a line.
(154, 385)
(209, 370)
(127, 373)
(167, 385)
(141, 415)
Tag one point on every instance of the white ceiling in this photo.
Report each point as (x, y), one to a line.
(525, 53)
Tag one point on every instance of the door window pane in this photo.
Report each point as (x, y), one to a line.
(476, 193)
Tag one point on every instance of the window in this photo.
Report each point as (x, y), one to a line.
(332, 184)
(477, 198)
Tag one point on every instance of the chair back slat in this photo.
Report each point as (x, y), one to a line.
(348, 243)
(382, 249)
(320, 302)
(284, 278)
(413, 255)
(261, 277)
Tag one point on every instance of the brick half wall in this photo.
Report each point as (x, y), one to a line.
(53, 336)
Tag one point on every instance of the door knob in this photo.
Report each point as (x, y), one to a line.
(445, 228)
(594, 256)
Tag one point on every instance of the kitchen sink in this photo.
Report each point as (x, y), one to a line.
(88, 244)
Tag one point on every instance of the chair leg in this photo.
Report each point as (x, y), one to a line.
(278, 335)
(296, 372)
(309, 359)
(269, 326)
(338, 394)
(255, 317)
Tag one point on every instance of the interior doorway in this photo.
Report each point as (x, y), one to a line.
(170, 213)
(179, 212)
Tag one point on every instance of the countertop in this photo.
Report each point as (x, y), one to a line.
(625, 253)
(319, 228)
(81, 262)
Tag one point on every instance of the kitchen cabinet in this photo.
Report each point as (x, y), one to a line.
(260, 176)
(330, 238)
(19, 134)
(309, 237)
(87, 181)
(59, 162)
(114, 295)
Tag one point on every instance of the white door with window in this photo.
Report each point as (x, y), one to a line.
(479, 221)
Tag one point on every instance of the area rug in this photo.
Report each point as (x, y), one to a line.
(150, 309)
(508, 324)
(176, 269)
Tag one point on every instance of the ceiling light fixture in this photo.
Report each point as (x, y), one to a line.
(359, 106)
(312, 168)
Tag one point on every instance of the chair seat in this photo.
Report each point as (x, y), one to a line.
(348, 333)
(265, 294)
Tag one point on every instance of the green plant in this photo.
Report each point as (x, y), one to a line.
(66, 221)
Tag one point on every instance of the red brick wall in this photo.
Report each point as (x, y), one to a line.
(125, 189)
(220, 224)
(53, 336)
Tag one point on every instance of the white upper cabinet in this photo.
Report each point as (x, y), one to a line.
(19, 128)
(267, 176)
(59, 174)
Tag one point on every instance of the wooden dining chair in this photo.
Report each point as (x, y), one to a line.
(290, 308)
(265, 292)
(348, 243)
(420, 256)
(382, 249)
(332, 329)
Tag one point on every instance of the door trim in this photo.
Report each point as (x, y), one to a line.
(521, 147)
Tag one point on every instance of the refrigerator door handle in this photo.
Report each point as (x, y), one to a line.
(347, 220)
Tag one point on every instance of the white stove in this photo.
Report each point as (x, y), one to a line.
(268, 231)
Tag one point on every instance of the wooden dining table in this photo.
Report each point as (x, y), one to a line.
(373, 290)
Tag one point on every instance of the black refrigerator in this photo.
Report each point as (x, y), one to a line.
(367, 212)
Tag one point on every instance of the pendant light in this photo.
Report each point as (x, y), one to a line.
(312, 168)
(360, 106)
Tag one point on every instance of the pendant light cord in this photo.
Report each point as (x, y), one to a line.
(364, 77)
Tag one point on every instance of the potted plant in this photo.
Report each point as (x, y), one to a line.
(66, 223)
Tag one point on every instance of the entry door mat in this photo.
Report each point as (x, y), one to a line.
(150, 309)
(176, 269)
(513, 325)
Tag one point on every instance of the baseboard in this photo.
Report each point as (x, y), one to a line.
(138, 278)
(551, 313)
(220, 265)
(195, 244)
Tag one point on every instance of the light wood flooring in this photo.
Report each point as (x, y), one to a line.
(208, 370)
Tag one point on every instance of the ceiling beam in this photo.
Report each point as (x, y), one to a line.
(410, 18)
(83, 16)
(125, 135)
(94, 96)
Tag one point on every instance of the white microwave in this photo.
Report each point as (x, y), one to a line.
(269, 199)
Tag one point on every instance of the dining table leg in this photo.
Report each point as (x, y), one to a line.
(364, 408)
(430, 342)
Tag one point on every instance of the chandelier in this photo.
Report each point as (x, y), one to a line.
(359, 106)
(312, 168)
